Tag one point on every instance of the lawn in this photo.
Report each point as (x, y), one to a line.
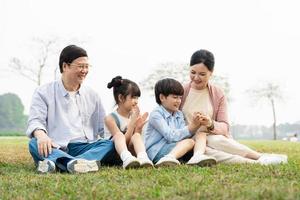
(19, 180)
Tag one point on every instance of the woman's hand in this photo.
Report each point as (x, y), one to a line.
(205, 120)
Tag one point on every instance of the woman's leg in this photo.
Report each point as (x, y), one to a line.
(231, 146)
(223, 157)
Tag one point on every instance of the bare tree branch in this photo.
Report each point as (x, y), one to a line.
(180, 72)
(34, 72)
(269, 91)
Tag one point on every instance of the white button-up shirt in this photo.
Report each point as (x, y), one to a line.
(50, 111)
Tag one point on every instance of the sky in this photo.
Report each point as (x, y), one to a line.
(254, 41)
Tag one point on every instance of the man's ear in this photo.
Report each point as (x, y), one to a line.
(64, 66)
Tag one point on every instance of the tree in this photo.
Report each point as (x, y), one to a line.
(11, 112)
(180, 72)
(269, 91)
(45, 48)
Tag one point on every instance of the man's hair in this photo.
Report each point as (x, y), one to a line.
(70, 53)
(166, 87)
(205, 57)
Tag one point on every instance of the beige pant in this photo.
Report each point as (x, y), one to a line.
(227, 150)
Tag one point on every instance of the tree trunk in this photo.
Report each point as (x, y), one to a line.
(274, 119)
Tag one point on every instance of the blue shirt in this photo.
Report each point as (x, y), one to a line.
(164, 127)
(49, 111)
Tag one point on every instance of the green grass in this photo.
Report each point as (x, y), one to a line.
(11, 133)
(19, 180)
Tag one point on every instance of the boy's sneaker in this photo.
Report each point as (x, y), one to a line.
(145, 162)
(272, 159)
(167, 161)
(131, 162)
(82, 166)
(202, 161)
(46, 166)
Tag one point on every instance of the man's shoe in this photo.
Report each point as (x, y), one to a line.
(167, 161)
(202, 161)
(82, 166)
(46, 166)
(131, 162)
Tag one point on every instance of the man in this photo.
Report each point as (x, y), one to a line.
(65, 119)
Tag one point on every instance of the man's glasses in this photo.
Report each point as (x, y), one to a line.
(81, 66)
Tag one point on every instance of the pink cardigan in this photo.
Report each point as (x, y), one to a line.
(219, 104)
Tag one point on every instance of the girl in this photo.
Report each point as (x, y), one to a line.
(125, 124)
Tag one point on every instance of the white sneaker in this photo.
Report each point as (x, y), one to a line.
(46, 166)
(167, 161)
(82, 166)
(202, 161)
(131, 162)
(145, 162)
(272, 159)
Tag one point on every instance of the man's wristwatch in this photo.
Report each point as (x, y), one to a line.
(39, 129)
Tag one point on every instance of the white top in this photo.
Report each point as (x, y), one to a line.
(197, 101)
(77, 134)
(52, 110)
(123, 124)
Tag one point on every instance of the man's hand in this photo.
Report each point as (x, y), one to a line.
(44, 143)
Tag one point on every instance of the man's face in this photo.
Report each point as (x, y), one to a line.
(77, 70)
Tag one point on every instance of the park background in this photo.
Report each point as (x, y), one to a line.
(255, 43)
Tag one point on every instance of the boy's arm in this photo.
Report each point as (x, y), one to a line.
(170, 134)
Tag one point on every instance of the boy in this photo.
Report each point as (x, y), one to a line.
(167, 137)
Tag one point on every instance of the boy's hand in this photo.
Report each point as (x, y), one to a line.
(195, 123)
(205, 120)
(196, 118)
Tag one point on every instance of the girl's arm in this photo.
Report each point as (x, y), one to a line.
(114, 129)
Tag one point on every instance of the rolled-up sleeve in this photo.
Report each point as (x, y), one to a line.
(221, 125)
(37, 114)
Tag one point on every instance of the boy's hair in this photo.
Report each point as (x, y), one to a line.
(166, 87)
(124, 87)
(205, 57)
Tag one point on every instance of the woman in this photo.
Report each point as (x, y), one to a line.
(202, 96)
